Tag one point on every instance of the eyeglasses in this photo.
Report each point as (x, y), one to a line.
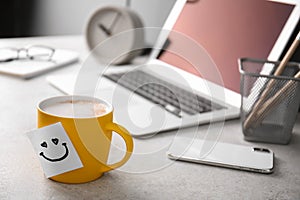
(35, 52)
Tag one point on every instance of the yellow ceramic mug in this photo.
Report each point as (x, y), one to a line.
(90, 135)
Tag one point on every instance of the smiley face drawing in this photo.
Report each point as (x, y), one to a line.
(54, 149)
(55, 141)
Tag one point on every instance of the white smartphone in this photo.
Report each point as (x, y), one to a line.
(255, 159)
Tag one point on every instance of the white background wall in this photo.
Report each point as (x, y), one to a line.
(57, 17)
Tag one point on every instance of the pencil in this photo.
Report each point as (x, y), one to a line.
(275, 100)
(254, 116)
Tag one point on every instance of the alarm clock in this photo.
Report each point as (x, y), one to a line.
(115, 35)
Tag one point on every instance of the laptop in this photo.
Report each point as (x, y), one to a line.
(195, 79)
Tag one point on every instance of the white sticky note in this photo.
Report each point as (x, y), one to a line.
(54, 149)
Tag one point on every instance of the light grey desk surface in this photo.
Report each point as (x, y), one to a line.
(21, 176)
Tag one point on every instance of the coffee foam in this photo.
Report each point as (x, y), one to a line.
(76, 108)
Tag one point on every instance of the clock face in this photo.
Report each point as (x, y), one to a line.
(114, 29)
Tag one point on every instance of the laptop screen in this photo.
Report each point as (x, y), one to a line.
(229, 30)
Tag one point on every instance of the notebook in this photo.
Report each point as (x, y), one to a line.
(168, 92)
(26, 68)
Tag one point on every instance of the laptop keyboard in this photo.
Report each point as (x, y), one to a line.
(167, 95)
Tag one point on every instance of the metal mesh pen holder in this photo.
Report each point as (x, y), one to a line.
(269, 103)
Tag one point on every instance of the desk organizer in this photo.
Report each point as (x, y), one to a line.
(269, 103)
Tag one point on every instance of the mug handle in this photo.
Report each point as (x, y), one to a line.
(128, 141)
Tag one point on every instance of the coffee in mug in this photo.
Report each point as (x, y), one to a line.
(77, 108)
